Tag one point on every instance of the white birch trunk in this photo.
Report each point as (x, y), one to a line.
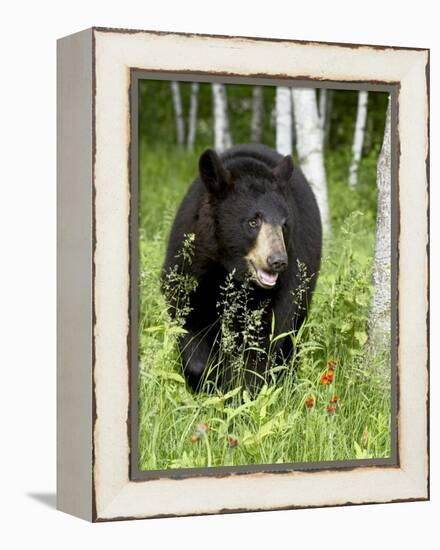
(358, 140)
(283, 120)
(293, 123)
(328, 116)
(257, 114)
(192, 122)
(322, 111)
(310, 148)
(379, 322)
(222, 135)
(178, 111)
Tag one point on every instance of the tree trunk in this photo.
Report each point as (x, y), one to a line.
(309, 148)
(257, 114)
(293, 123)
(379, 322)
(178, 111)
(283, 121)
(192, 122)
(328, 116)
(358, 140)
(322, 111)
(222, 135)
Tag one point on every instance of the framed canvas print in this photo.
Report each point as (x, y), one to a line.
(242, 274)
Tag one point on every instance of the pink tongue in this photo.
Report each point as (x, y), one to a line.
(267, 278)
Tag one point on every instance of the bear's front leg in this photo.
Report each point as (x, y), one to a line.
(255, 375)
(195, 352)
(287, 320)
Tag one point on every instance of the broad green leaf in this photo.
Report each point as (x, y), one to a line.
(159, 328)
(170, 376)
(215, 400)
(212, 401)
(177, 330)
(232, 413)
(345, 327)
(282, 335)
(266, 429)
(231, 393)
(361, 337)
(361, 453)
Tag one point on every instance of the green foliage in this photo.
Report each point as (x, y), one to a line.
(157, 121)
(240, 109)
(295, 420)
(343, 117)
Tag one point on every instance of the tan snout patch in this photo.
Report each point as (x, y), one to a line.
(270, 241)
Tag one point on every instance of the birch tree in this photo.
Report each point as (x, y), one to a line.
(293, 123)
(379, 322)
(192, 119)
(328, 117)
(322, 111)
(310, 148)
(358, 139)
(178, 111)
(257, 114)
(222, 134)
(283, 110)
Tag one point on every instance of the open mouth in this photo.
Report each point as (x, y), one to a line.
(265, 278)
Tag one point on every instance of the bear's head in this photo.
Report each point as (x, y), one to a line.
(252, 216)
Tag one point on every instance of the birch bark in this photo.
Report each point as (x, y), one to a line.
(310, 149)
(222, 134)
(178, 111)
(379, 322)
(283, 106)
(322, 111)
(257, 114)
(328, 116)
(192, 122)
(358, 139)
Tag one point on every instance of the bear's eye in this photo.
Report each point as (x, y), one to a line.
(254, 223)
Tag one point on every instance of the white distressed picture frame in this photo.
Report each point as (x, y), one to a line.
(94, 169)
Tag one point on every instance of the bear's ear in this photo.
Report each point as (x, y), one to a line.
(213, 174)
(283, 170)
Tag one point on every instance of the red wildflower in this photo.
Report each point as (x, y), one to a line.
(331, 409)
(233, 441)
(331, 364)
(327, 377)
(310, 401)
(334, 399)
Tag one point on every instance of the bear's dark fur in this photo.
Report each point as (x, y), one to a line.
(253, 214)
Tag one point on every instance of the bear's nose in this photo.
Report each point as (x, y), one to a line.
(277, 262)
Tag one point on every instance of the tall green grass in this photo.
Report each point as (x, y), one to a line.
(300, 418)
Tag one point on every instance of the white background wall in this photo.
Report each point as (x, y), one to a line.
(27, 300)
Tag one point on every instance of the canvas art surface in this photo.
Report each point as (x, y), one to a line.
(264, 275)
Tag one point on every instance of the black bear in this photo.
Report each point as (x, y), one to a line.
(251, 214)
